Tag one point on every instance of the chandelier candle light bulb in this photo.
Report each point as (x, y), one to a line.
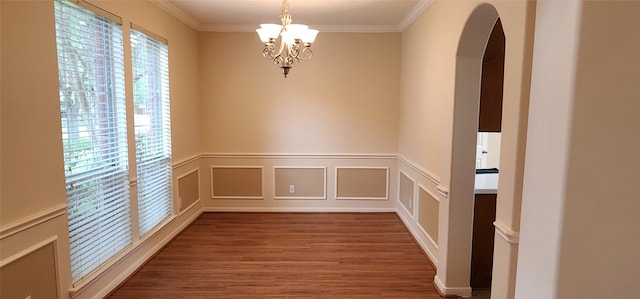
(295, 41)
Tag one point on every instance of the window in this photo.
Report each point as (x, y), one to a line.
(152, 128)
(94, 134)
(92, 102)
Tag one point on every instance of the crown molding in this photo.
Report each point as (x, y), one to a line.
(229, 28)
(190, 21)
(322, 28)
(414, 14)
(178, 13)
(357, 28)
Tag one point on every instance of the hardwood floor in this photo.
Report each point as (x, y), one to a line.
(287, 255)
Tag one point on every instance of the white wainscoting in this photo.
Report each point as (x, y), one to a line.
(424, 180)
(329, 202)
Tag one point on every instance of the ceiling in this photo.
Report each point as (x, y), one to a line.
(325, 15)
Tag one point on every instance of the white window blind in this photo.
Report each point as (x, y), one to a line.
(152, 128)
(92, 102)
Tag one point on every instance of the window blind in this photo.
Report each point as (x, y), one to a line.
(92, 104)
(152, 129)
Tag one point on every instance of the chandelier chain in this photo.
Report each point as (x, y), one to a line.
(285, 17)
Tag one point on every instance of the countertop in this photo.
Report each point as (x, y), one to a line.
(486, 183)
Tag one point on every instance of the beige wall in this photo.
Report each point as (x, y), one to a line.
(428, 215)
(428, 51)
(33, 199)
(362, 183)
(188, 186)
(604, 202)
(344, 100)
(230, 182)
(307, 183)
(405, 192)
(32, 168)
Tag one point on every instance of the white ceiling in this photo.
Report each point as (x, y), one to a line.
(325, 15)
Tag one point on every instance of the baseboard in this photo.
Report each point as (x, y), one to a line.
(451, 291)
(300, 155)
(409, 223)
(299, 209)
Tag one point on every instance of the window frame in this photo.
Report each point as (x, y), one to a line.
(121, 164)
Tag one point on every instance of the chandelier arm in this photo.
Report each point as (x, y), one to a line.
(306, 53)
(289, 61)
(282, 46)
(278, 59)
(269, 51)
(293, 50)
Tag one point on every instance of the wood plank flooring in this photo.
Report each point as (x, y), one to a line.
(287, 255)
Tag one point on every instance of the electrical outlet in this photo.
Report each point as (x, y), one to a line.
(292, 188)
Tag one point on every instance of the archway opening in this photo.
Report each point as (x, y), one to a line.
(454, 278)
(488, 156)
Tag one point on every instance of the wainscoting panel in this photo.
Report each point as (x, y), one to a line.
(236, 182)
(406, 187)
(31, 273)
(423, 223)
(362, 183)
(300, 182)
(189, 189)
(428, 216)
(321, 182)
(34, 259)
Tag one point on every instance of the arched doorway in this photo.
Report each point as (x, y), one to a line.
(489, 132)
(454, 250)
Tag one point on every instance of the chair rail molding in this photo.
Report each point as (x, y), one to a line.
(420, 170)
(512, 237)
(31, 221)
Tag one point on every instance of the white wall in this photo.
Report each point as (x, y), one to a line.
(547, 148)
(580, 233)
(493, 150)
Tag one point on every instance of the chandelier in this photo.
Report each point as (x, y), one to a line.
(295, 41)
